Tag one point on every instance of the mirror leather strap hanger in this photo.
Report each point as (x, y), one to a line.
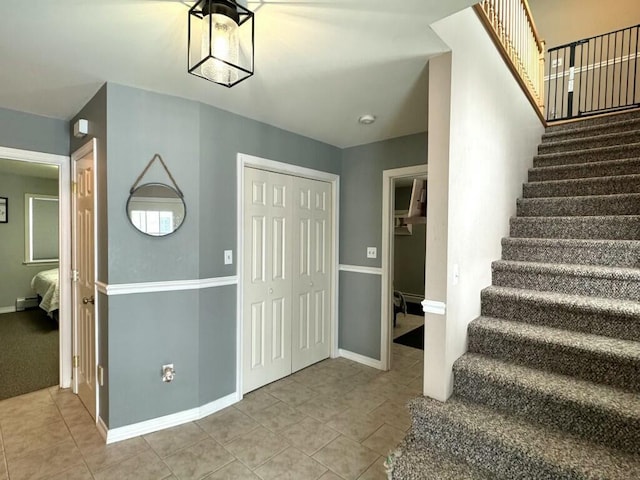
(156, 156)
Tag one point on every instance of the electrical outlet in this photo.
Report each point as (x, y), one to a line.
(228, 257)
(372, 252)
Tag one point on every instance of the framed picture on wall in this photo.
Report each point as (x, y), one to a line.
(4, 210)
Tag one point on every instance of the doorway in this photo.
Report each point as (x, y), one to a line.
(287, 309)
(39, 250)
(400, 222)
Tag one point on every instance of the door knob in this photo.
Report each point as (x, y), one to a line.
(87, 300)
(311, 284)
(271, 290)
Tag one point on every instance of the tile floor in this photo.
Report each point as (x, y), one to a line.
(334, 420)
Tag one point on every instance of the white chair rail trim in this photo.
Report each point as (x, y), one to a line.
(360, 269)
(435, 307)
(167, 286)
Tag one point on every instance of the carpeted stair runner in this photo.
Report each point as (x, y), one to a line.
(550, 386)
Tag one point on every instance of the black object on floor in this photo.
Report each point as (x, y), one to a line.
(413, 338)
(414, 309)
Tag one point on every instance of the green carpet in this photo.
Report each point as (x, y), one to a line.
(28, 352)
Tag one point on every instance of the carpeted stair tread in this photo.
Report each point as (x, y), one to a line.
(512, 448)
(600, 413)
(593, 280)
(600, 316)
(591, 205)
(416, 461)
(597, 121)
(599, 154)
(583, 143)
(591, 130)
(600, 359)
(583, 186)
(613, 253)
(625, 166)
(604, 227)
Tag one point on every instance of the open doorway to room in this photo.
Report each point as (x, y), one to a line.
(409, 240)
(403, 265)
(33, 305)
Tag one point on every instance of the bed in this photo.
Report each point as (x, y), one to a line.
(46, 285)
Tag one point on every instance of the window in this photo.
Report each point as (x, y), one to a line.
(40, 228)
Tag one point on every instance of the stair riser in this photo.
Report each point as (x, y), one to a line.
(572, 144)
(591, 170)
(502, 460)
(607, 129)
(576, 188)
(588, 122)
(568, 283)
(571, 158)
(625, 327)
(605, 255)
(606, 428)
(555, 358)
(579, 206)
(610, 228)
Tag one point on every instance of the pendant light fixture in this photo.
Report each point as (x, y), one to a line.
(220, 41)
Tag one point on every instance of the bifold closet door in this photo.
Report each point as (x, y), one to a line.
(311, 251)
(267, 282)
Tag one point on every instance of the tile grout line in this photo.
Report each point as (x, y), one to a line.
(64, 420)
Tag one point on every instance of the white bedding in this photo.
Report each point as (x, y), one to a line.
(46, 284)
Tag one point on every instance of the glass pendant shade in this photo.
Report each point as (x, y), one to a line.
(220, 41)
(220, 44)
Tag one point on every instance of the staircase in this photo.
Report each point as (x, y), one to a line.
(550, 386)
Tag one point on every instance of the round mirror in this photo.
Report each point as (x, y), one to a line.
(156, 209)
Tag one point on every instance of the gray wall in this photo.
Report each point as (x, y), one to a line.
(195, 330)
(15, 280)
(361, 192)
(32, 132)
(409, 252)
(361, 227)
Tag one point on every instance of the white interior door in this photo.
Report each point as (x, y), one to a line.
(267, 278)
(84, 324)
(312, 236)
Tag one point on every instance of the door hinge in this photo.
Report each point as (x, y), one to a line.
(76, 361)
(74, 187)
(75, 275)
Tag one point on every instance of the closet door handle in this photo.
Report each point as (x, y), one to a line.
(271, 290)
(311, 284)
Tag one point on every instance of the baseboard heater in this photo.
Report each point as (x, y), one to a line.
(22, 303)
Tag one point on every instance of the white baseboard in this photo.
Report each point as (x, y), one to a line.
(356, 357)
(102, 428)
(155, 424)
(10, 309)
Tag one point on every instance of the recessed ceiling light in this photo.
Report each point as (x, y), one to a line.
(367, 119)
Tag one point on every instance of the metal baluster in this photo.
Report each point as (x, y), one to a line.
(635, 70)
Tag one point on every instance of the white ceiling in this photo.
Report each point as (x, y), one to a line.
(320, 64)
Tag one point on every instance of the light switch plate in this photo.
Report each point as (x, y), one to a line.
(372, 252)
(228, 257)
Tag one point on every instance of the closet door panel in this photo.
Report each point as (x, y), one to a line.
(267, 295)
(312, 280)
